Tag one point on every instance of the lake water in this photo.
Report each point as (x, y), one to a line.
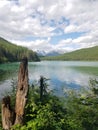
(62, 74)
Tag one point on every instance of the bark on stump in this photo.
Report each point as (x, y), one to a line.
(22, 91)
(7, 114)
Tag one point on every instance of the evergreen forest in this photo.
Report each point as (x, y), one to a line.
(12, 53)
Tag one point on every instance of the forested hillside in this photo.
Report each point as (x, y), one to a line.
(90, 54)
(10, 52)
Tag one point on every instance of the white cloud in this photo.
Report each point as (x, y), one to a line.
(32, 18)
(36, 45)
(70, 28)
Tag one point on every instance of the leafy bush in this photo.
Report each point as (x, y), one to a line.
(76, 112)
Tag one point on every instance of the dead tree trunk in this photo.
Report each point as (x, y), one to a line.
(41, 87)
(7, 114)
(10, 117)
(22, 91)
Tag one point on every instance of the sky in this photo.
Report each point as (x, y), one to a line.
(50, 25)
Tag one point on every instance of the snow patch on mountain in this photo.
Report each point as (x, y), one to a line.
(50, 53)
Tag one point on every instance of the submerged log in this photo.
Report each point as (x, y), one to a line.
(22, 91)
(7, 114)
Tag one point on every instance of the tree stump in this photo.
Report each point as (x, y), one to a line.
(7, 114)
(22, 91)
(10, 117)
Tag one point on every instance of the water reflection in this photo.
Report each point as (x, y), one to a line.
(61, 74)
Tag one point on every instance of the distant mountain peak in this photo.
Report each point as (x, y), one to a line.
(49, 53)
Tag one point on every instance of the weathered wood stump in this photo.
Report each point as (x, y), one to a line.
(7, 114)
(8, 118)
(22, 91)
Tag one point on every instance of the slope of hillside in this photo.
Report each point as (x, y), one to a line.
(11, 52)
(82, 54)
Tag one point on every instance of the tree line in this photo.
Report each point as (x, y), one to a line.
(10, 52)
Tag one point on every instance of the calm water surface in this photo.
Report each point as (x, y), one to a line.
(62, 74)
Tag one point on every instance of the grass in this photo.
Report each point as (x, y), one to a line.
(87, 54)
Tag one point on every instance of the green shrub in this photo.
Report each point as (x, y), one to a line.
(76, 112)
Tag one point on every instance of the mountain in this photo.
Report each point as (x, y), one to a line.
(41, 53)
(49, 53)
(82, 54)
(53, 53)
(10, 52)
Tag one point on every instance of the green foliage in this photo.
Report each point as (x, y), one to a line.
(45, 115)
(78, 111)
(82, 54)
(94, 86)
(84, 108)
(11, 52)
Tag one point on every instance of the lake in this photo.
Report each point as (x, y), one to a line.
(62, 74)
